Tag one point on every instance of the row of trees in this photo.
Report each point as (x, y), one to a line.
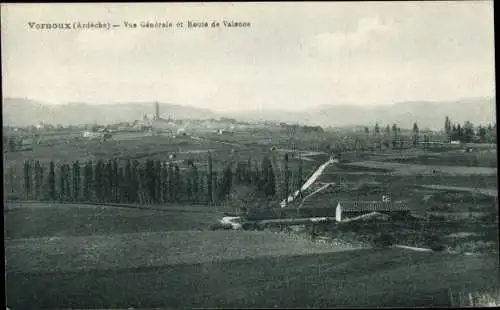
(152, 182)
(464, 133)
(468, 133)
(391, 136)
(387, 130)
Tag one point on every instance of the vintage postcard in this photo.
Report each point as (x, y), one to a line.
(250, 155)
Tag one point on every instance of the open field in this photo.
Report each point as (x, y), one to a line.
(140, 146)
(345, 176)
(483, 191)
(135, 148)
(35, 220)
(413, 169)
(151, 249)
(362, 278)
(477, 158)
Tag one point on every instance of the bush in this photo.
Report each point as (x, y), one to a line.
(383, 240)
(484, 298)
(220, 226)
(437, 247)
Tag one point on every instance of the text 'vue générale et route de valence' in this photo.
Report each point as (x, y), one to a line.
(136, 25)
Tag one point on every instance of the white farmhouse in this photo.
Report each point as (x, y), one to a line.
(346, 210)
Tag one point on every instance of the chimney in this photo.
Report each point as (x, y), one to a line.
(157, 111)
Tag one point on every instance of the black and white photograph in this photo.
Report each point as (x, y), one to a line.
(198, 155)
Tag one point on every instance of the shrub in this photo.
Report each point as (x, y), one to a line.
(437, 247)
(220, 226)
(383, 240)
(485, 298)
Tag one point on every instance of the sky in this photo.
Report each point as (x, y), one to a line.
(293, 56)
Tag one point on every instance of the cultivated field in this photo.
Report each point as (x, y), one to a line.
(147, 250)
(476, 158)
(33, 220)
(414, 169)
(363, 278)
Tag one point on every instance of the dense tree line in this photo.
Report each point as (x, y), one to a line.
(152, 182)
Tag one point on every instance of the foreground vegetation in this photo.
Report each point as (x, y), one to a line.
(363, 278)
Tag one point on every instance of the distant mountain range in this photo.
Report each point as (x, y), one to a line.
(427, 114)
(21, 112)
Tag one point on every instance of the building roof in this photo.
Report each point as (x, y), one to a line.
(374, 206)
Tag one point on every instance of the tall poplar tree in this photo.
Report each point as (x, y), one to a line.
(171, 182)
(158, 181)
(135, 181)
(38, 179)
(128, 182)
(177, 183)
(76, 180)
(62, 182)
(98, 180)
(116, 180)
(52, 181)
(88, 181)
(415, 134)
(27, 179)
(210, 179)
(195, 184)
(164, 176)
